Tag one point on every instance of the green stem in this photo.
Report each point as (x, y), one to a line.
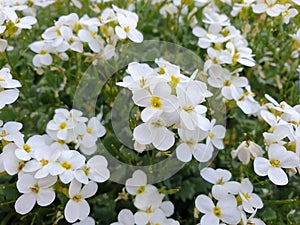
(284, 201)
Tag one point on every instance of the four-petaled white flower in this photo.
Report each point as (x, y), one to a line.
(226, 210)
(250, 201)
(279, 158)
(77, 207)
(34, 190)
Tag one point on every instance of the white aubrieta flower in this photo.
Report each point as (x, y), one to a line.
(8, 88)
(21, 23)
(191, 113)
(221, 180)
(225, 210)
(77, 207)
(215, 135)
(128, 29)
(158, 101)
(9, 162)
(95, 169)
(269, 6)
(10, 131)
(34, 191)
(155, 132)
(137, 185)
(246, 150)
(229, 82)
(68, 163)
(279, 158)
(87, 221)
(141, 75)
(25, 151)
(191, 146)
(250, 201)
(125, 217)
(43, 163)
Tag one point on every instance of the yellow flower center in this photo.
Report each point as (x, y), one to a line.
(2, 79)
(227, 83)
(62, 142)
(220, 181)
(275, 163)
(188, 109)
(21, 166)
(141, 190)
(190, 142)
(35, 189)
(26, 148)
(77, 198)
(66, 165)
(44, 162)
(86, 170)
(89, 130)
(43, 52)
(246, 196)
(217, 211)
(63, 125)
(157, 123)
(161, 71)
(211, 135)
(156, 102)
(127, 29)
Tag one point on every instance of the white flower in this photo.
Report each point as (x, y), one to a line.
(158, 101)
(33, 190)
(220, 178)
(246, 101)
(246, 150)
(25, 151)
(125, 217)
(215, 135)
(137, 185)
(191, 113)
(190, 146)
(268, 6)
(288, 13)
(43, 161)
(90, 36)
(279, 158)
(226, 210)
(155, 131)
(68, 162)
(22, 23)
(95, 170)
(10, 163)
(11, 131)
(140, 76)
(61, 127)
(229, 82)
(87, 221)
(91, 132)
(43, 50)
(250, 201)
(279, 132)
(77, 207)
(128, 29)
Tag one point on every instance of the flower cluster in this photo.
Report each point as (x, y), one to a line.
(11, 24)
(224, 43)
(149, 202)
(94, 36)
(45, 160)
(234, 200)
(282, 143)
(169, 101)
(8, 88)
